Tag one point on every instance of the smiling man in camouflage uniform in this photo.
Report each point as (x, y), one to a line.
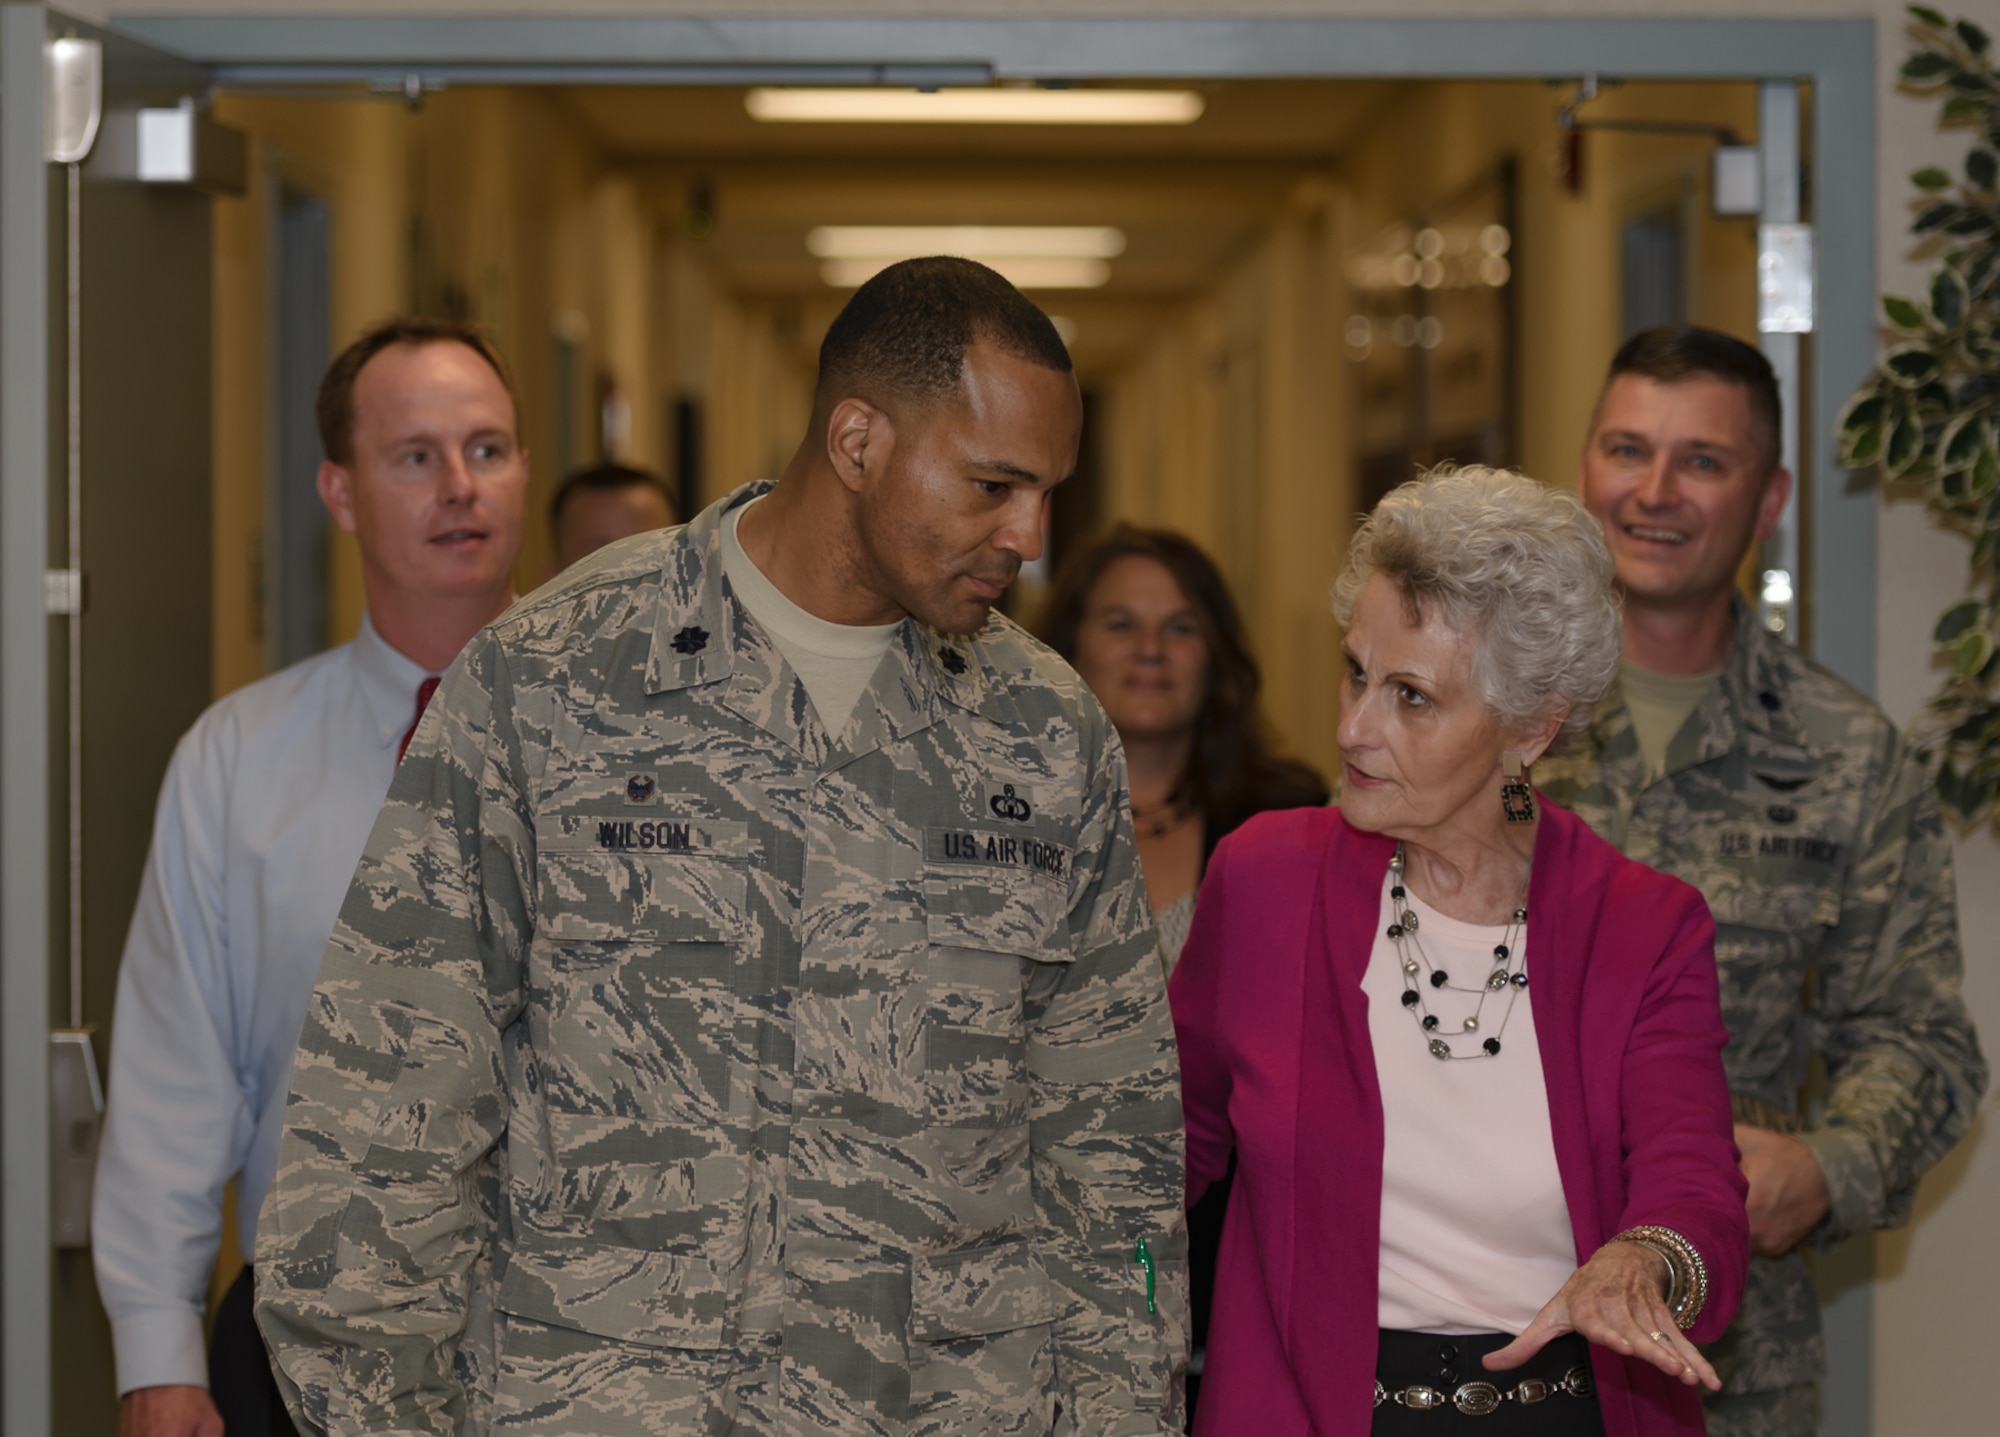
(1729, 759)
(771, 910)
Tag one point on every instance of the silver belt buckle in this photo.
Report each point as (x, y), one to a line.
(1421, 1398)
(1476, 1399)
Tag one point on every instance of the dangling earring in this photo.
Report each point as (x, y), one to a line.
(1516, 798)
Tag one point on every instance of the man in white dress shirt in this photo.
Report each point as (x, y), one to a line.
(264, 812)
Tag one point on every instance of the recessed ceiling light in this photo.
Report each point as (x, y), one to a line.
(870, 106)
(982, 241)
(1027, 272)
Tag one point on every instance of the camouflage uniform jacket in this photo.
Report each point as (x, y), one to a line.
(1791, 802)
(831, 1077)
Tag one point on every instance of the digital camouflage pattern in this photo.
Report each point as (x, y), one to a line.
(1782, 1412)
(1791, 802)
(830, 1080)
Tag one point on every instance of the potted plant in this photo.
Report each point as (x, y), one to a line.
(1928, 416)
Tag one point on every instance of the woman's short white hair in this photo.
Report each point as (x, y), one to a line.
(1517, 568)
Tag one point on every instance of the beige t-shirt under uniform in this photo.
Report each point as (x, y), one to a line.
(1660, 704)
(836, 662)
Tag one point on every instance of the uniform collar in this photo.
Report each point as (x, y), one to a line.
(388, 682)
(700, 635)
(1752, 696)
(1756, 684)
(694, 631)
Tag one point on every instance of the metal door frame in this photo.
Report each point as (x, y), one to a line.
(25, 435)
(31, 375)
(1836, 56)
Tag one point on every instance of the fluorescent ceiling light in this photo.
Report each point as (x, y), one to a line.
(975, 106)
(984, 242)
(1023, 272)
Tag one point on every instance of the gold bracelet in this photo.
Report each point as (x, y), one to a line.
(1688, 1286)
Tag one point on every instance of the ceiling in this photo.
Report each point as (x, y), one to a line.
(1190, 199)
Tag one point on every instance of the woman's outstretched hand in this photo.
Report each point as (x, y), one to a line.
(1616, 1301)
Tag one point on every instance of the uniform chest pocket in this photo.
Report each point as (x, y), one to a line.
(1791, 905)
(996, 893)
(655, 879)
(1771, 918)
(640, 898)
(635, 968)
(996, 930)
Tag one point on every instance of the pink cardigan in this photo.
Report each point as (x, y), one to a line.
(1277, 1066)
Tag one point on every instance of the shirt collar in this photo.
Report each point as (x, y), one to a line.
(388, 682)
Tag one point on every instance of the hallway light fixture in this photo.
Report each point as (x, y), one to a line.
(969, 106)
(979, 242)
(1029, 256)
(1023, 272)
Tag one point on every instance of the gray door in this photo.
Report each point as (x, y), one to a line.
(141, 419)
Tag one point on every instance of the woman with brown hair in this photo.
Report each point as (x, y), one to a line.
(1147, 620)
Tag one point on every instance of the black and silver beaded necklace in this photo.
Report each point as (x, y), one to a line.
(1508, 974)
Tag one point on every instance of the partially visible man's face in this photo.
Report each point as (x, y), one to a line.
(1676, 473)
(437, 484)
(592, 518)
(959, 508)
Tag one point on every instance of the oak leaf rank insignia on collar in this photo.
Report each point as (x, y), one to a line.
(953, 661)
(691, 640)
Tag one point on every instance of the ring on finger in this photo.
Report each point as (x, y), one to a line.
(1658, 1336)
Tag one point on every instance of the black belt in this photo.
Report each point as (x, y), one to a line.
(1425, 1371)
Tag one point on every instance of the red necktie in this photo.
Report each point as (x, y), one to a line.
(424, 692)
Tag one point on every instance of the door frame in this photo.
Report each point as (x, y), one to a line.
(1835, 56)
(33, 451)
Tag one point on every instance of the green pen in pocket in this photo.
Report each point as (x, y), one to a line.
(1143, 1255)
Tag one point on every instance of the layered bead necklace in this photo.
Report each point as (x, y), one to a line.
(1508, 975)
(1166, 816)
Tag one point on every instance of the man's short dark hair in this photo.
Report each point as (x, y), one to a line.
(335, 407)
(1678, 352)
(604, 478)
(905, 332)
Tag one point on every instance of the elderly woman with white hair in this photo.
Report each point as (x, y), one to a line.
(1467, 1057)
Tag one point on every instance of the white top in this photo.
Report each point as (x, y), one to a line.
(266, 807)
(836, 662)
(1475, 1232)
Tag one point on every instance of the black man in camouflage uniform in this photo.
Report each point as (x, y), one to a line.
(770, 908)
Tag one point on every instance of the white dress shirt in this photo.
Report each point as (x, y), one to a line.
(266, 807)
